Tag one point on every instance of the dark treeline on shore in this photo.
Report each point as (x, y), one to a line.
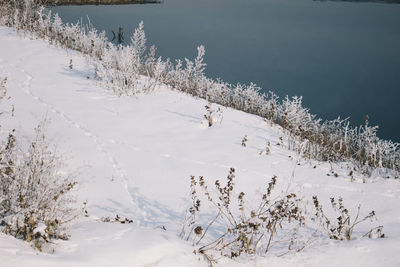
(364, 1)
(96, 2)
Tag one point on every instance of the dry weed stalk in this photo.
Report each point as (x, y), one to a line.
(244, 231)
(344, 226)
(212, 116)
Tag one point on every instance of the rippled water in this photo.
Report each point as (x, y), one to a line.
(342, 57)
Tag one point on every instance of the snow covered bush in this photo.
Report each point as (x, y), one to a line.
(35, 203)
(237, 229)
(31, 17)
(35, 199)
(212, 116)
(335, 140)
(123, 68)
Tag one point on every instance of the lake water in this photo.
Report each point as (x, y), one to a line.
(342, 57)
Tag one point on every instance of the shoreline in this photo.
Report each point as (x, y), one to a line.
(364, 1)
(97, 2)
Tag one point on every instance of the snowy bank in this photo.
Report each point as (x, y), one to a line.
(134, 157)
(135, 68)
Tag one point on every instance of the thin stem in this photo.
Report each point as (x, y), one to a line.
(208, 226)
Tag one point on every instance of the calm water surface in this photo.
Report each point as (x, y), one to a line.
(342, 57)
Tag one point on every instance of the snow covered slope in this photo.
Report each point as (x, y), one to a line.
(133, 156)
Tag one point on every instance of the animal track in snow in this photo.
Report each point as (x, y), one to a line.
(147, 211)
(26, 86)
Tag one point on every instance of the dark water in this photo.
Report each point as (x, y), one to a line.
(342, 57)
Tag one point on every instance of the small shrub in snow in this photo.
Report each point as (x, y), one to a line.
(343, 227)
(3, 89)
(235, 229)
(267, 149)
(244, 140)
(34, 195)
(212, 116)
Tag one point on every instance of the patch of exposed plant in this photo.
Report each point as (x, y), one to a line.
(244, 141)
(212, 116)
(117, 219)
(221, 223)
(267, 149)
(237, 229)
(342, 227)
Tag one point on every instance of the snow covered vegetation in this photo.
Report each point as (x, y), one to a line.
(139, 185)
(122, 68)
(34, 200)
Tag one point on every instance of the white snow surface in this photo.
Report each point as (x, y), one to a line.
(133, 156)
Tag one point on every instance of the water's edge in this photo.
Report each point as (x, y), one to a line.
(99, 2)
(341, 57)
(364, 1)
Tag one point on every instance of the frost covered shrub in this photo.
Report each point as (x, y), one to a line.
(132, 69)
(3, 11)
(237, 229)
(121, 66)
(212, 116)
(31, 17)
(34, 195)
(35, 203)
(335, 140)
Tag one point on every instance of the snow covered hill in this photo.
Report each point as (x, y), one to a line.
(133, 157)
